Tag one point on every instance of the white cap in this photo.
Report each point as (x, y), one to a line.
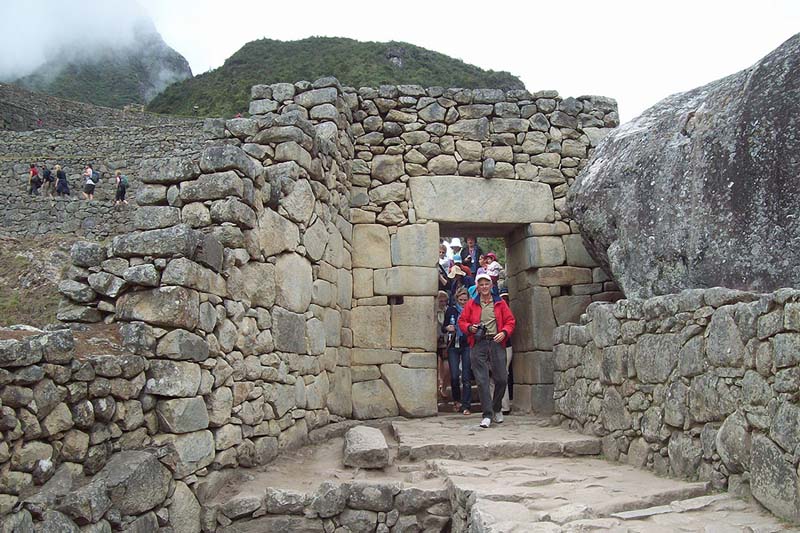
(483, 275)
(456, 243)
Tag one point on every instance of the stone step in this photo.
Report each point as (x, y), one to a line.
(459, 437)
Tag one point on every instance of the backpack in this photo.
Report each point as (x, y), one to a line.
(95, 177)
(123, 181)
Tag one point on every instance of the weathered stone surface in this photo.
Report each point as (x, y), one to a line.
(365, 447)
(773, 480)
(168, 170)
(182, 415)
(259, 282)
(536, 252)
(87, 254)
(276, 234)
(154, 217)
(180, 344)
(415, 245)
(76, 291)
(212, 187)
(413, 388)
(330, 499)
(288, 330)
(371, 248)
(733, 443)
(655, 357)
(299, 203)
(696, 172)
(180, 240)
(497, 201)
(145, 275)
(340, 399)
(293, 282)
(387, 168)
(406, 281)
(193, 451)
(165, 306)
(179, 379)
(411, 324)
(372, 326)
(373, 399)
(184, 511)
(221, 157)
(187, 273)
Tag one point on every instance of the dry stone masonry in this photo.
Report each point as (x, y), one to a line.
(283, 276)
(107, 149)
(703, 383)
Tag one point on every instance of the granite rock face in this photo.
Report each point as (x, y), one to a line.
(701, 190)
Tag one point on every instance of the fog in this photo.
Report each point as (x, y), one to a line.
(33, 32)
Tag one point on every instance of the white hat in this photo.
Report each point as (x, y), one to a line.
(456, 243)
(481, 276)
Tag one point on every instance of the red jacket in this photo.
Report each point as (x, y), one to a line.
(472, 315)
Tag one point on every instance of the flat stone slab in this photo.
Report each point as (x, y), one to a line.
(490, 201)
(365, 447)
(459, 437)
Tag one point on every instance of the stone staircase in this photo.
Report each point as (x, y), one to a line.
(447, 474)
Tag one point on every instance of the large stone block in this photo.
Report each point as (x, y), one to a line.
(387, 168)
(168, 170)
(406, 281)
(178, 379)
(656, 356)
(180, 240)
(372, 326)
(276, 234)
(193, 451)
(259, 283)
(289, 330)
(577, 255)
(180, 344)
(373, 399)
(413, 324)
(533, 367)
(293, 282)
(212, 187)
(182, 415)
(299, 204)
(363, 284)
(187, 273)
(340, 396)
(221, 157)
(535, 252)
(413, 388)
(416, 245)
(371, 248)
(491, 201)
(533, 311)
(365, 447)
(369, 356)
(773, 479)
(561, 276)
(165, 306)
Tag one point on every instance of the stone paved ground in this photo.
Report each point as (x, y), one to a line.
(523, 476)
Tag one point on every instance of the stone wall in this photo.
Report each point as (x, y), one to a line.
(20, 110)
(107, 149)
(701, 384)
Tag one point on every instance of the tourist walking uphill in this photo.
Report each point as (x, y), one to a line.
(489, 323)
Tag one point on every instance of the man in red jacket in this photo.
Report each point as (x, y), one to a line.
(488, 323)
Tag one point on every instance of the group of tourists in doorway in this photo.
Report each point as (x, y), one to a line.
(474, 327)
(48, 183)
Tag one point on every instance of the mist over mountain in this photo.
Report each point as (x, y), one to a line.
(129, 69)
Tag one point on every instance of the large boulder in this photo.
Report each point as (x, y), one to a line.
(702, 189)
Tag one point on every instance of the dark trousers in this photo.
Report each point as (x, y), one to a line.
(460, 380)
(488, 361)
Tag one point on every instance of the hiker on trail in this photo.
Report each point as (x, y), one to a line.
(458, 354)
(88, 187)
(34, 181)
(62, 186)
(122, 188)
(488, 322)
(48, 181)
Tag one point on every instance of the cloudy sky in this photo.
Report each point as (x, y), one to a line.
(635, 51)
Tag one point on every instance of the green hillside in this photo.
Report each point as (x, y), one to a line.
(226, 90)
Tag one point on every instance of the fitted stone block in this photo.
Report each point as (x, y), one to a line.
(495, 201)
(293, 282)
(562, 276)
(416, 245)
(413, 388)
(373, 399)
(165, 306)
(372, 327)
(533, 367)
(371, 248)
(413, 324)
(406, 281)
(363, 283)
(535, 252)
(368, 356)
(533, 311)
(569, 308)
(577, 255)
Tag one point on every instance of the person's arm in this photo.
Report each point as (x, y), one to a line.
(509, 322)
(463, 320)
